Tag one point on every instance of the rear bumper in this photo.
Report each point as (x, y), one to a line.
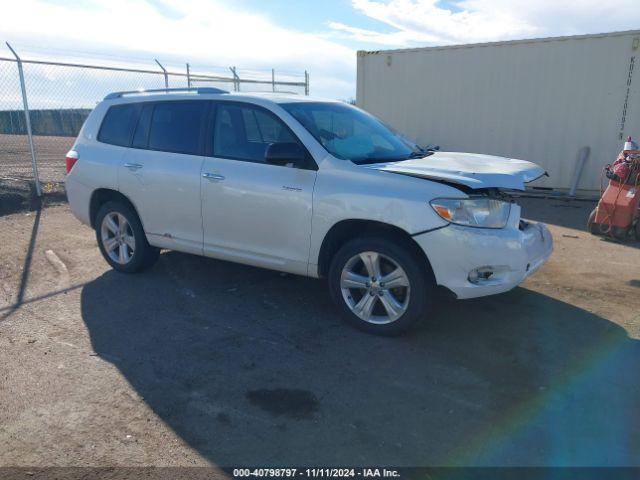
(512, 254)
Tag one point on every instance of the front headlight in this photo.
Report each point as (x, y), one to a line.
(473, 212)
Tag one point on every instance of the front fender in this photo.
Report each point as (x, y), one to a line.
(351, 192)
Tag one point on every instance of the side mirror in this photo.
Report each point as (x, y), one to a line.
(286, 154)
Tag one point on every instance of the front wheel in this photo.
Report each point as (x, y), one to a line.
(379, 286)
(122, 240)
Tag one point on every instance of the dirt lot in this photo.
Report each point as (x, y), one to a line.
(15, 157)
(201, 362)
(17, 189)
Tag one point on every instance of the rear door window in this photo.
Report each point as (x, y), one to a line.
(177, 127)
(141, 135)
(117, 126)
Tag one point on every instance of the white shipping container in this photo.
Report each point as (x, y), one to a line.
(539, 100)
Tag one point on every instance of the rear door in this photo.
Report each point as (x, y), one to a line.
(254, 212)
(160, 174)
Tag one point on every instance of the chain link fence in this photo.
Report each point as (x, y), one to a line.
(60, 96)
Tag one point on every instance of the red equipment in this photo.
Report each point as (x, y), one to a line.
(617, 214)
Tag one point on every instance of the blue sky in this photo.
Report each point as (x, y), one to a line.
(321, 36)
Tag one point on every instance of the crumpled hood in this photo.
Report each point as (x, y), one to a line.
(470, 169)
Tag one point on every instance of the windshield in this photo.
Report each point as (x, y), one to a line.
(349, 133)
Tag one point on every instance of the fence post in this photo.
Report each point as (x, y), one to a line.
(273, 79)
(236, 79)
(306, 83)
(188, 76)
(27, 117)
(166, 76)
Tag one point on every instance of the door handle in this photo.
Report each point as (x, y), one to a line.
(213, 177)
(133, 166)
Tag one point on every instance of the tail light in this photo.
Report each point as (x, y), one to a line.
(71, 159)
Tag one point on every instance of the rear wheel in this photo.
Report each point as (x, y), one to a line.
(121, 238)
(379, 286)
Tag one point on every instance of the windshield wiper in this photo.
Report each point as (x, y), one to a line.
(421, 154)
(371, 160)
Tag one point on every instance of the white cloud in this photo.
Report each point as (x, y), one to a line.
(201, 31)
(428, 22)
(219, 32)
(398, 38)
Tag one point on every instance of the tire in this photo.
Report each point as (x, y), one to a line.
(620, 234)
(364, 302)
(592, 227)
(127, 252)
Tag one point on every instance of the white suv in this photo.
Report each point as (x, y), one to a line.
(309, 187)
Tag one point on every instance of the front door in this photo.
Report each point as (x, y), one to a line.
(254, 212)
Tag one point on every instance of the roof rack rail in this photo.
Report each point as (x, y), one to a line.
(199, 90)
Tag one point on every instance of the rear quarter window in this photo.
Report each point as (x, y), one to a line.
(117, 126)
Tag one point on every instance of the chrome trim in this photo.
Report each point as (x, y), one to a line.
(133, 166)
(213, 176)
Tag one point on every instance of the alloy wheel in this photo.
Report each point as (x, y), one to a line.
(375, 287)
(117, 238)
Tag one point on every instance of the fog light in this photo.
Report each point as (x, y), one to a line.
(477, 275)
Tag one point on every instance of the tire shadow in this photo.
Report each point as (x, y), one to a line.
(252, 367)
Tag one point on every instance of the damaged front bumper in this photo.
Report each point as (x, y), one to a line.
(475, 262)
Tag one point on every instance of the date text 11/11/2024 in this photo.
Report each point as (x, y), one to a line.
(316, 472)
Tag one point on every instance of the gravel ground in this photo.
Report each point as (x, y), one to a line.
(202, 362)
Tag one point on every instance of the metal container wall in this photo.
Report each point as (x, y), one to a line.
(539, 100)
